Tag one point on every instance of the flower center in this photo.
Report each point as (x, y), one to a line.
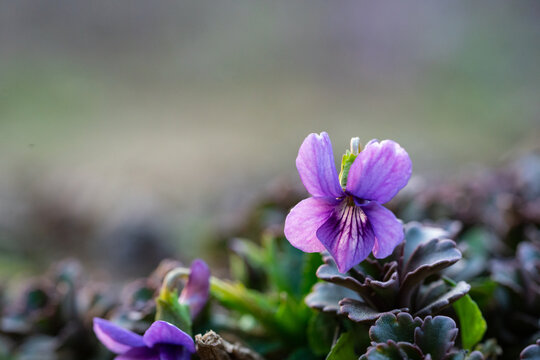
(353, 200)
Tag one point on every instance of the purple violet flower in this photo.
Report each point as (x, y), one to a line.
(162, 341)
(347, 218)
(195, 293)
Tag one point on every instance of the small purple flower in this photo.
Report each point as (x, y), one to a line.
(162, 341)
(195, 293)
(349, 222)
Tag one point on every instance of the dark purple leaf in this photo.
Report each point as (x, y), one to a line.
(531, 352)
(358, 311)
(436, 304)
(436, 336)
(417, 234)
(326, 296)
(393, 351)
(505, 272)
(398, 328)
(427, 259)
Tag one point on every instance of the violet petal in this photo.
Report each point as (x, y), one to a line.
(115, 338)
(379, 171)
(315, 164)
(167, 352)
(195, 293)
(139, 353)
(305, 219)
(387, 228)
(162, 332)
(347, 235)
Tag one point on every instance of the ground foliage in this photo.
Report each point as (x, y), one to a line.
(465, 284)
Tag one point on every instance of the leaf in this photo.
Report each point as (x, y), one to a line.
(531, 352)
(278, 267)
(462, 355)
(236, 297)
(399, 328)
(362, 279)
(482, 290)
(382, 294)
(169, 309)
(250, 251)
(416, 234)
(472, 323)
(302, 354)
(343, 349)
(329, 272)
(475, 355)
(320, 332)
(312, 261)
(441, 301)
(436, 336)
(292, 316)
(238, 268)
(358, 311)
(505, 272)
(326, 297)
(427, 259)
(282, 260)
(475, 245)
(393, 351)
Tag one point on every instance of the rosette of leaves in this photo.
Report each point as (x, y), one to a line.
(408, 280)
(400, 336)
(518, 298)
(51, 317)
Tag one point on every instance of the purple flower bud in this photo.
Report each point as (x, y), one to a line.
(161, 341)
(195, 293)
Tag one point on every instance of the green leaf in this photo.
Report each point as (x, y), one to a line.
(284, 317)
(472, 323)
(482, 290)
(312, 261)
(236, 296)
(343, 349)
(302, 354)
(279, 265)
(320, 332)
(248, 250)
(238, 268)
(292, 317)
(169, 309)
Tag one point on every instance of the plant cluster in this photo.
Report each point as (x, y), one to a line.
(460, 280)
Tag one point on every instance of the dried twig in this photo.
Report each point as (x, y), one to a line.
(211, 346)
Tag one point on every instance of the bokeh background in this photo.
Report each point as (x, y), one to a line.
(135, 130)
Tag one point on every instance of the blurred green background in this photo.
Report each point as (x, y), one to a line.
(132, 129)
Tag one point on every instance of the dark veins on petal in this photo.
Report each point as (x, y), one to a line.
(347, 234)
